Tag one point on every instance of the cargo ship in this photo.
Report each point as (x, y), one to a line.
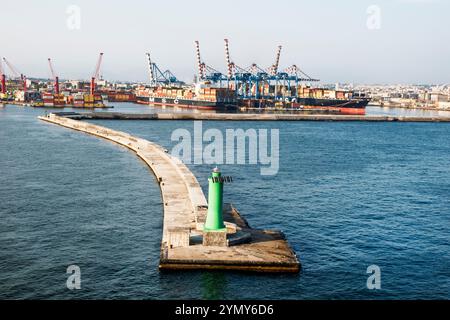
(355, 106)
(304, 98)
(200, 96)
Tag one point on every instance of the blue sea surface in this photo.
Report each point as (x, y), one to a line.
(348, 195)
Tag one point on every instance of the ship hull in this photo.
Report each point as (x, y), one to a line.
(185, 103)
(354, 106)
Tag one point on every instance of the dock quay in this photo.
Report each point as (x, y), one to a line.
(62, 106)
(185, 244)
(241, 117)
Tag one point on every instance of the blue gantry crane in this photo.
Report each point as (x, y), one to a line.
(158, 77)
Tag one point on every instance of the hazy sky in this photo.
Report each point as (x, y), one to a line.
(345, 40)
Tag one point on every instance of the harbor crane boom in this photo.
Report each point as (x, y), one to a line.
(96, 72)
(150, 70)
(3, 78)
(17, 74)
(158, 77)
(206, 72)
(55, 77)
(273, 70)
(201, 66)
(230, 65)
(296, 74)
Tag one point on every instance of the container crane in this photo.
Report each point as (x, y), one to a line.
(239, 76)
(55, 77)
(157, 77)
(96, 72)
(274, 75)
(200, 65)
(151, 72)
(206, 72)
(17, 74)
(257, 77)
(247, 81)
(230, 65)
(273, 70)
(296, 75)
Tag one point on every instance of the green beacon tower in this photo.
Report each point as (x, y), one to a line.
(214, 219)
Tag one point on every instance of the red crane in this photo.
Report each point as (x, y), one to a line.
(3, 78)
(55, 77)
(95, 75)
(17, 74)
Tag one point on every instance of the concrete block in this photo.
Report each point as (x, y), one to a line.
(215, 239)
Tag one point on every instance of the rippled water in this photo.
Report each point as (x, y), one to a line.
(348, 195)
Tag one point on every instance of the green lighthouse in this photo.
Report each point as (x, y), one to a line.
(214, 219)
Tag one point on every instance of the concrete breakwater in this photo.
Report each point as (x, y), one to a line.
(185, 209)
(243, 117)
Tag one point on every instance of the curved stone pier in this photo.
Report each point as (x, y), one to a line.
(185, 208)
(204, 116)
